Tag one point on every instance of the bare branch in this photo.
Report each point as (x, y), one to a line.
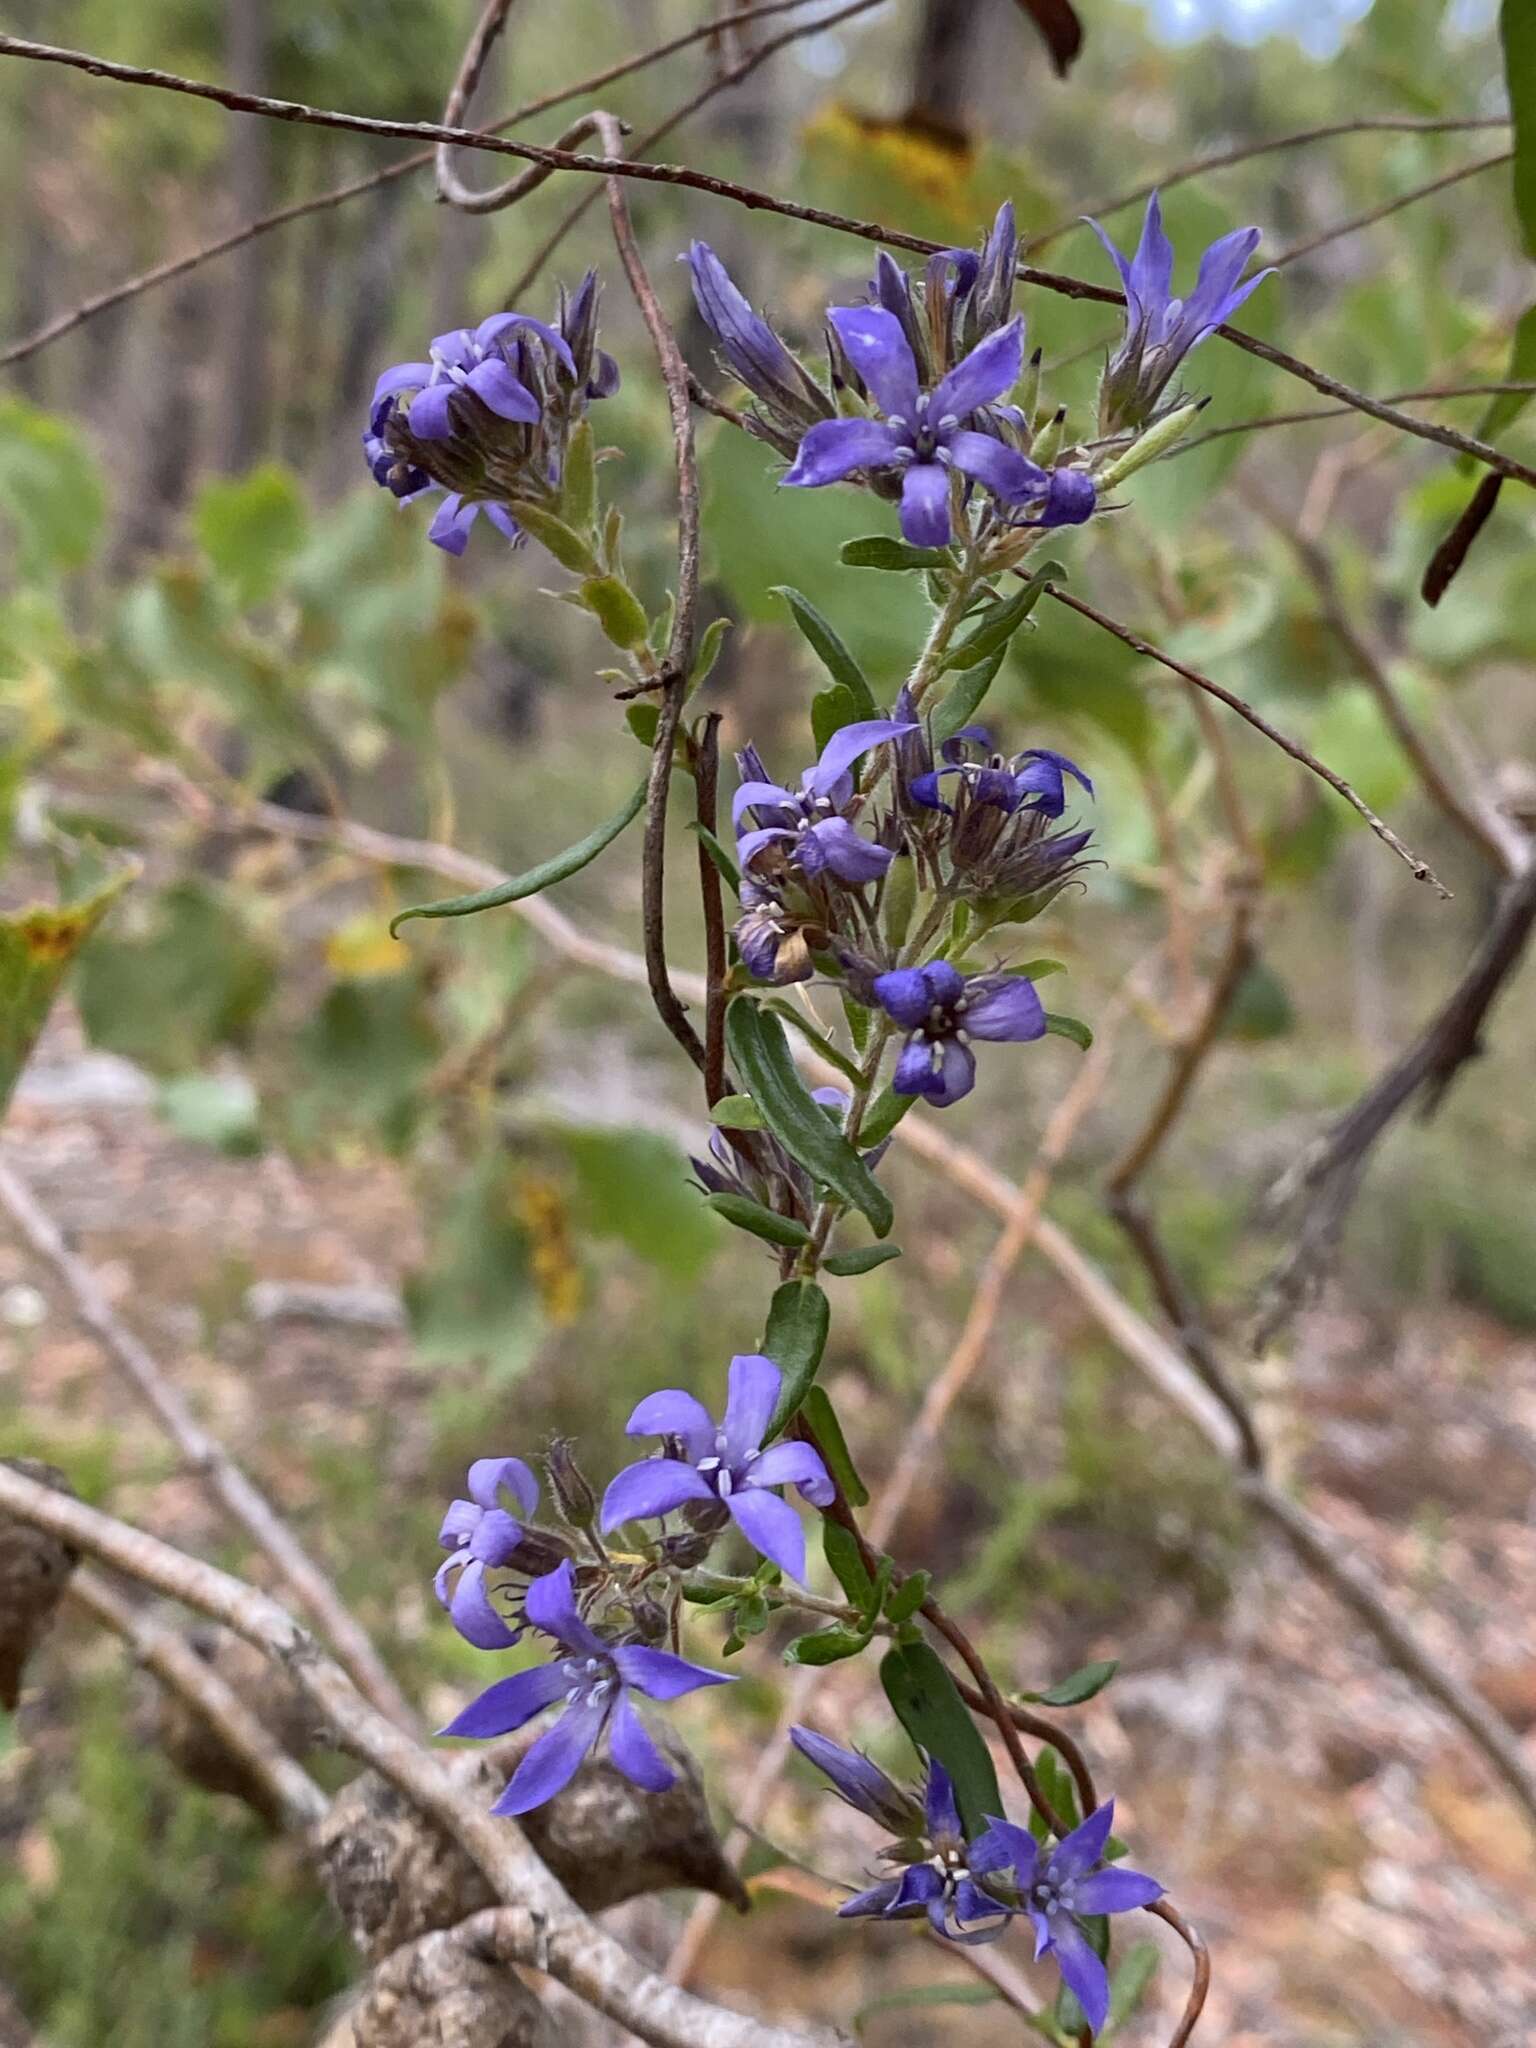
(290, 1792)
(544, 1929)
(244, 1502)
(1352, 226)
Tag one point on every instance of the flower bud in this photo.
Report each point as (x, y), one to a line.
(1156, 441)
(686, 1550)
(572, 1489)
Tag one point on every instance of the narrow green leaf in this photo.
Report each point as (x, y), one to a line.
(831, 1053)
(826, 1646)
(578, 494)
(1059, 1787)
(880, 551)
(562, 541)
(960, 706)
(846, 1562)
(831, 651)
(1517, 31)
(1082, 1685)
(749, 1215)
(711, 640)
(923, 1698)
(831, 710)
(728, 869)
(799, 1317)
(737, 1113)
(999, 622)
(642, 720)
(828, 1431)
(908, 1597)
(516, 887)
(883, 1115)
(848, 1265)
(760, 1054)
(1069, 1027)
(617, 610)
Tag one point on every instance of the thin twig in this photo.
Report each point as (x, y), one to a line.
(1200, 1962)
(1358, 221)
(450, 188)
(290, 1790)
(1245, 152)
(244, 1502)
(706, 782)
(1309, 416)
(542, 1926)
(1422, 872)
(742, 195)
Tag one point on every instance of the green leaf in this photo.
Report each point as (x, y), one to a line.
(642, 720)
(828, 1431)
(1517, 31)
(559, 869)
(51, 489)
(737, 1113)
(250, 527)
(562, 541)
(831, 651)
(826, 1646)
(37, 946)
(1082, 1685)
(923, 1697)
(999, 622)
(1059, 1787)
(710, 642)
(883, 1115)
(761, 1056)
(831, 1053)
(880, 551)
(831, 710)
(629, 1187)
(846, 1561)
(729, 872)
(1069, 1027)
(1128, 1983)
(578, 493)
(902, 1604)
(847, 1265)
(799, 1317)
(749, 1215)
(959, 707)
(1507, 407)
(617, 610)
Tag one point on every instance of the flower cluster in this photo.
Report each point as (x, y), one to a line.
(919, 380)
(835, 877)
(601, 1616)
(970, 1891)
(486, 419)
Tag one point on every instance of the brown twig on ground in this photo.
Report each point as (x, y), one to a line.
(1323, 1182)
(290, 1791)
(1422, 872)
(540, 1924)
(742, 195)
(243, 1501)
(1496, 840)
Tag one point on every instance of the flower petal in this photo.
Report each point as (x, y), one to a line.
(834, 449)
(631, 1747)
(953, 1077)
(1149, 282)
(879, 351)
(771, 1526)
(752, 349)
(494, 385)
(925, 505)
(459, 1524)
(554, 1759)
(1002, 469)
(878, 1899)
(781, 803)
(849, 744)
(863, 1784)
(499, 323)
(1078, 1852)
(1114, 1891)
(450, 528)
(903, 995)
(920, 1887)
(1071, 498)
(993, 367)
(939, 1804)
(510, 1702)
(503, 522)
(660, 1675)
(1005, 1846)
(672, 1412)
(398, 377)
(429, 418)
(1007, 1010)
(550, 1604)
(752, 1394)
(653, 1487)
(795, 1465)
(833, 844)
(1082, 1972)
(473, 1615)
(487, 1476)
(496, 1537)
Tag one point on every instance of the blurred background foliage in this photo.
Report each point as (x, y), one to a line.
(206, 602)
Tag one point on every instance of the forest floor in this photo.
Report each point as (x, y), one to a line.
(1361, 1878)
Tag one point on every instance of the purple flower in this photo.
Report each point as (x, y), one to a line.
(923, 435)
(753, 352)
(941, 1012)
(1059, 1888)
(725, 1463)
(594, 1680)
(1034, 777)
(766, 1173)
(1160, 330)
(936, 1867)
(821, 838)
(480, 1534)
